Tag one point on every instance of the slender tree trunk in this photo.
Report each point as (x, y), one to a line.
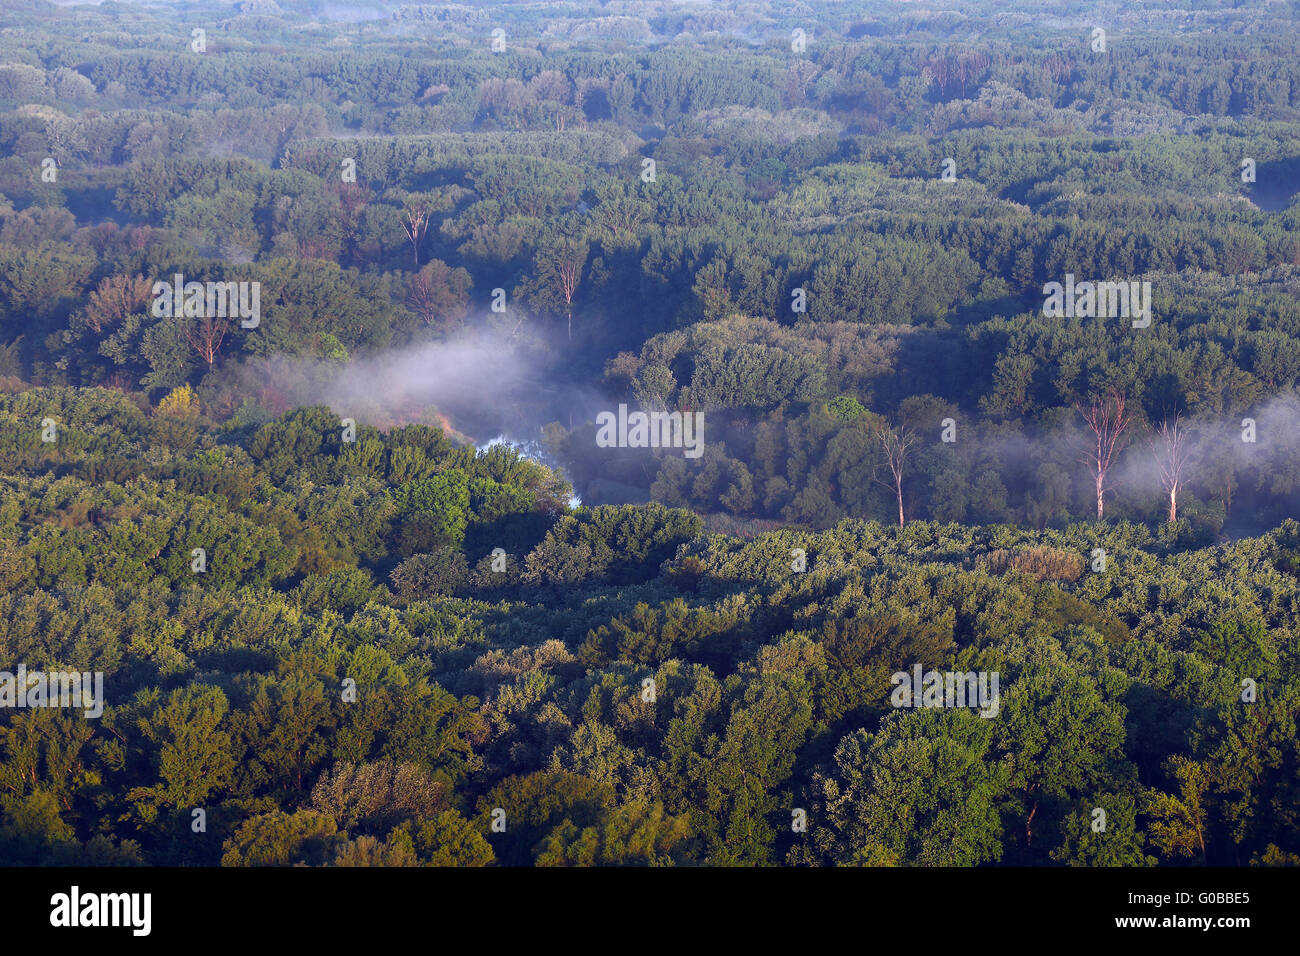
(1106, 420)
(895, 443)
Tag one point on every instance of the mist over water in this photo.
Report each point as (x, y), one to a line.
(480, 387)
(486, 388)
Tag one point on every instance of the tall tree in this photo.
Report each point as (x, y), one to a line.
(557, 272)
(205, 335)
(415, 223)
(1107, 419)
(1171, 445)
(439, 294)
(896, 443)
(1178, 823)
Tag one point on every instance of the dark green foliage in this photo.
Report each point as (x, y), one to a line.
(370, 644)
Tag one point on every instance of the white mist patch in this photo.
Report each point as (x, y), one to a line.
(466, 380)
(1264, 439)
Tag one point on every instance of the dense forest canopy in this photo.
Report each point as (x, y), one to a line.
(369, 582)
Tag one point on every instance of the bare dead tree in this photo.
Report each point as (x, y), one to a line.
(437, 294)
(1170, 444)
(896, 443)
(205, 335)
(798, 75)
(557, 266)
(937, 70)
(415, 222)
(422, 297)
(1106, 418)
(569, 271)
